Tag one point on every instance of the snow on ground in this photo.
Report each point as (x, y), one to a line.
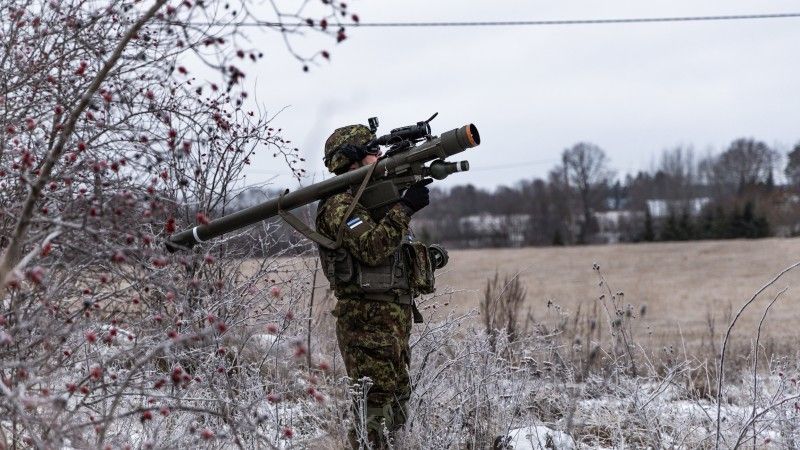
(539, 437)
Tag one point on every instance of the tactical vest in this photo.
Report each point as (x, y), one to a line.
(407, 271)
(402, 276)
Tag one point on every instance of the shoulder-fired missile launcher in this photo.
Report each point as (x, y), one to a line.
(413, 154)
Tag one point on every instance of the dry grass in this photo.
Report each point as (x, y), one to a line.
(680, 284)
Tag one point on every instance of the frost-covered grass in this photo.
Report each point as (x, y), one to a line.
(246, 376)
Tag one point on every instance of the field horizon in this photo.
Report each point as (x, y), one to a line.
(680, 284)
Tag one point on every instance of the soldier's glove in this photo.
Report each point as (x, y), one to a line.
(417, 195)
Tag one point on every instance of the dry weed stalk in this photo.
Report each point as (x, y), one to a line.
(725, 341)
(501, 304)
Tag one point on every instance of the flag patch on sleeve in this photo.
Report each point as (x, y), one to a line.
(354, 222)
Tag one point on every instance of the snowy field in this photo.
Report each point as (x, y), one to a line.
(251, 362)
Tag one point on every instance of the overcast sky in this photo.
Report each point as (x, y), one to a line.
(632, 89)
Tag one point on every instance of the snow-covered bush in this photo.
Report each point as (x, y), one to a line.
(120, 123)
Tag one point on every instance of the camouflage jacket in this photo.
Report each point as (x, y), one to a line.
(369, 241)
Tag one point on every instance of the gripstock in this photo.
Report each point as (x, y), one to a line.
(392, 174)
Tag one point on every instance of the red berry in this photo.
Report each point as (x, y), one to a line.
(35, 274)
(160, 262)
(118, 257)
(96, 373)
(177, 374)
(206, 434)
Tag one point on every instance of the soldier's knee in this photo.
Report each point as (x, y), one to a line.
(399, 415)
(378, 425)
(377, 416)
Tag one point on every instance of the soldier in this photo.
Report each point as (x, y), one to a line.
(370, 277)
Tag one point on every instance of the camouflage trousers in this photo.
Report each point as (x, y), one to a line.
(373, 338)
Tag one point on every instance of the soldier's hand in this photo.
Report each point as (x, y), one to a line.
(417, 195)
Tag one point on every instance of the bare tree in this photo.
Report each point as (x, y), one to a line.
(747, 162)
(792, 169)
(680, 170)
(586, 167)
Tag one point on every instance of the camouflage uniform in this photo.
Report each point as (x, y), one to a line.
(373, 333)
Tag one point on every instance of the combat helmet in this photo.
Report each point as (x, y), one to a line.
(351, 134)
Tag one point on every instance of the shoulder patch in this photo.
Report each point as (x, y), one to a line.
(354, 222)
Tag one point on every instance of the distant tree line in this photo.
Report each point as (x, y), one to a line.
(729, 195)
(713, 223)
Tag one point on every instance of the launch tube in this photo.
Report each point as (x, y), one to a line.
(448, 144)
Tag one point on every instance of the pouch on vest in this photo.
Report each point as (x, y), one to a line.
(338, 265)
(388, 276)
(421, 271)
